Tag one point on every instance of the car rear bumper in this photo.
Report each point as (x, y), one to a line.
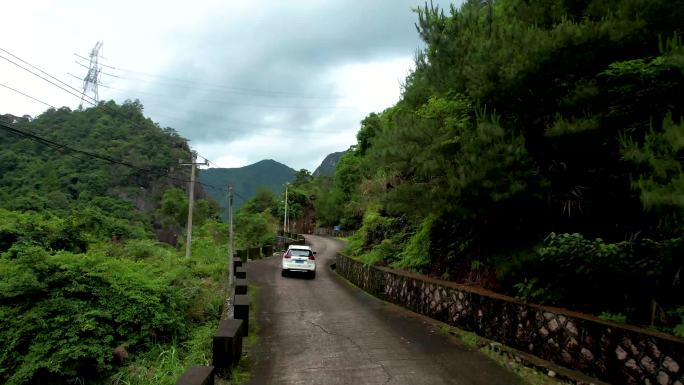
(292, 266)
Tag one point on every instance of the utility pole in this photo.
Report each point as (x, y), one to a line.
(191, 198)
(285, 217)
(230, 236)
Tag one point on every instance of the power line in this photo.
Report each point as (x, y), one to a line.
(226, 103)
(86, 59)
(195, 84)
(35, 74)
(218, 117)
(296, 133)
(63, 148)
(222, 102)
(239, 196)
(55, 148)
(206, 159)
(28, 96)
(57, 145)
(38, 69)
(176, 120)
(102, 72)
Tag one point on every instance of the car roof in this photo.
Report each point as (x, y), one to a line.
(300, 247)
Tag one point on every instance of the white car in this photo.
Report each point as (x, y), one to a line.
(299, 258)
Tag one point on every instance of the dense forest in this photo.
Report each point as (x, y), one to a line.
(260, 218)
(88, 294)
(537, 151)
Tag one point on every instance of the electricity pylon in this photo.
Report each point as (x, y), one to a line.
(92, 79)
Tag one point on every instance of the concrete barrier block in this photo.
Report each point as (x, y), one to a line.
(236, 263)
(254, 253)
(240, 286)
(241, 311)
(197, 375)
(240, 272)
(227, 344)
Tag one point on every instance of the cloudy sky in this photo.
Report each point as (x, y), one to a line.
(242, 80)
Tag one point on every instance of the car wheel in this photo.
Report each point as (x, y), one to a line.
(312, 275)
(283, 273)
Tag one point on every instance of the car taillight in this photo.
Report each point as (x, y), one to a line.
(286, 255)
(311, 257)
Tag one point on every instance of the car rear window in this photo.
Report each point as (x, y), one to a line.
(300, 253)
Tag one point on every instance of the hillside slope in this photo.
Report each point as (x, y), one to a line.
(36, 177)
(83, 281)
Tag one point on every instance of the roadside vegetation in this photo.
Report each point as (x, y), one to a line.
(88, 293)
(535, 151)
(261, 217)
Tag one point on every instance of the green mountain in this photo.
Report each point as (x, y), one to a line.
(245, 180)
(327, 167)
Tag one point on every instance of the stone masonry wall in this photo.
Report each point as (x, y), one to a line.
(611, 352)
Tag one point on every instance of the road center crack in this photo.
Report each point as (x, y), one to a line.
(326, 331)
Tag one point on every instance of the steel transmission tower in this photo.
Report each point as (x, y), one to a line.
(92, 79)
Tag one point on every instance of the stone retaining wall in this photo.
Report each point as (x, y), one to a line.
(611, 352)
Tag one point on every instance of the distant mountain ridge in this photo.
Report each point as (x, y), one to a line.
(329, 164)
(245, 180)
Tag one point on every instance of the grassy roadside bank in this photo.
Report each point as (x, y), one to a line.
(163, 361)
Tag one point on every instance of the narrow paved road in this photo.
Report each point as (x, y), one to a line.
(324, 331)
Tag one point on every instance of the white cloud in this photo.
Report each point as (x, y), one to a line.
(319, 67)
(372, 86)
(363, 87)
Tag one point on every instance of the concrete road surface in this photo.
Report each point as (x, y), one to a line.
(325, 331)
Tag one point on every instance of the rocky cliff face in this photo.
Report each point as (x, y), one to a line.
(327, 167)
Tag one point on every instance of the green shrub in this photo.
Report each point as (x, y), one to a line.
(387, 250)
(617, 317)
(45, 230)
(415, 253)
(595, 276)
(678, 328)
(64, 314)
(375, 229)
(530, 291)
